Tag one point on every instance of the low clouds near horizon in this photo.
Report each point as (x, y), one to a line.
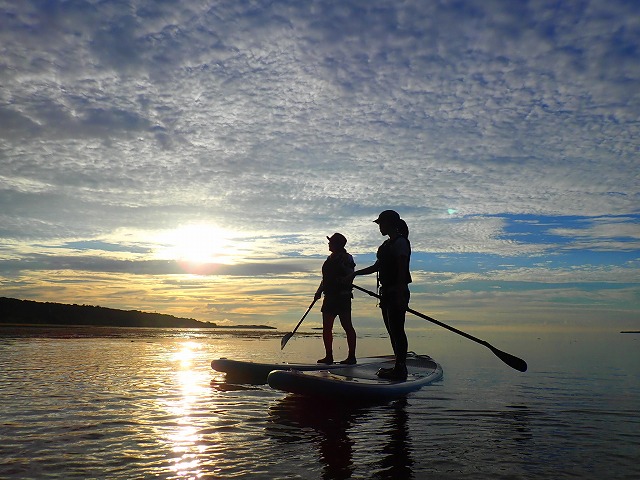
(506, 133)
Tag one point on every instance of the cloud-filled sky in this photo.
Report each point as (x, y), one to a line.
(191, 157)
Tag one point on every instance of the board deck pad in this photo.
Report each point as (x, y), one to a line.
(358, 381)
(257, 372)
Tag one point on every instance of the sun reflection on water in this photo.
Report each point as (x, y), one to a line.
(186, 440)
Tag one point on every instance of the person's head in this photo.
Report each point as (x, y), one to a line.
(388, 221)
(337, 241)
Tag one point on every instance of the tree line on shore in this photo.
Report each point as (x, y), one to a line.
(29, 312)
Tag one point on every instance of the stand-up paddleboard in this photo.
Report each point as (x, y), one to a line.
(358, 381)
(255, 372)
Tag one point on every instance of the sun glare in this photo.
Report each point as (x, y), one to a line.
(197, 244)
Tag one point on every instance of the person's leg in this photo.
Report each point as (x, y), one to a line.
(398, 334)
(387, 315)
(384, 308)
(347, 325)
(397, 314)
(394, 315)
(327, 336)
(400, 344)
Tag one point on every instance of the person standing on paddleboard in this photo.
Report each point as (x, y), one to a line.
(337, 297)
(392, 267)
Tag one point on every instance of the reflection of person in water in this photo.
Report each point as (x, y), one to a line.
(385, 450)
(337, 298)
(329, 420)
(396, 461)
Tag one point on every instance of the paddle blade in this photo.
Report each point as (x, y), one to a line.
(511, 360)
(285, 339)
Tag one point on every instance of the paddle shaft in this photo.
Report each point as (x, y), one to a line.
(305, 315)
(288, 336)
(511, 360)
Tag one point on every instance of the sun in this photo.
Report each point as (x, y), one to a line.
(197, 244)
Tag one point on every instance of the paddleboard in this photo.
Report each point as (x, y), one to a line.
(358, 381)
(256, 372)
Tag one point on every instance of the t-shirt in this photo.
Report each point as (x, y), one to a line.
(335, 267)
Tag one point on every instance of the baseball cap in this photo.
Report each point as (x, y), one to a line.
(388, 216)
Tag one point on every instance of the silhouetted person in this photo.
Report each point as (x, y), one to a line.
(337, 297)
(392, 266)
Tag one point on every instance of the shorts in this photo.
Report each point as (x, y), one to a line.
(335, 305)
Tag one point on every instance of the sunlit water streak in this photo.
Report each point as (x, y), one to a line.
(118, 403)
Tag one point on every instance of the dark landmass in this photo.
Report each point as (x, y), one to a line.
(630, 331)
(27, 312)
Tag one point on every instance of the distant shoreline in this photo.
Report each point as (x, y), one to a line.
(29, 313)
(630, 331)
(75, 325)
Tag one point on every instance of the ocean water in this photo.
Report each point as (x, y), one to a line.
(144, 403)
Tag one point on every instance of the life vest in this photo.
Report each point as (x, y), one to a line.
(388, 264)
(335, 267)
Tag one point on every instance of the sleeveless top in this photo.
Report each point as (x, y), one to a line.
(387, 255)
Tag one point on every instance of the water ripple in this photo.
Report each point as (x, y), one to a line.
(107, 407)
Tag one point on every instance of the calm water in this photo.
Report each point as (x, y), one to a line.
(90, 403)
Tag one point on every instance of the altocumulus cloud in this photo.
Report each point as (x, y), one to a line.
(480, 122)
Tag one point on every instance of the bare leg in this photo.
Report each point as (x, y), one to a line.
(327, 337)
(345, 321)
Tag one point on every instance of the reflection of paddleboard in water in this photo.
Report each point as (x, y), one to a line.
(358, 381)
(254, 372)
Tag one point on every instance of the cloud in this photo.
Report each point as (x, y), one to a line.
(618, 233)
(291, 118)
(88, 263)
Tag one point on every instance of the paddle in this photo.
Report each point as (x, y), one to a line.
(286, 338)
(511, 360)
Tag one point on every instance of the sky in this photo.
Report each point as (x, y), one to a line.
(191, 157)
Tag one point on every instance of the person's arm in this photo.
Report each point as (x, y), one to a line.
(319, 291)
(347, 265)
(367, 271)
